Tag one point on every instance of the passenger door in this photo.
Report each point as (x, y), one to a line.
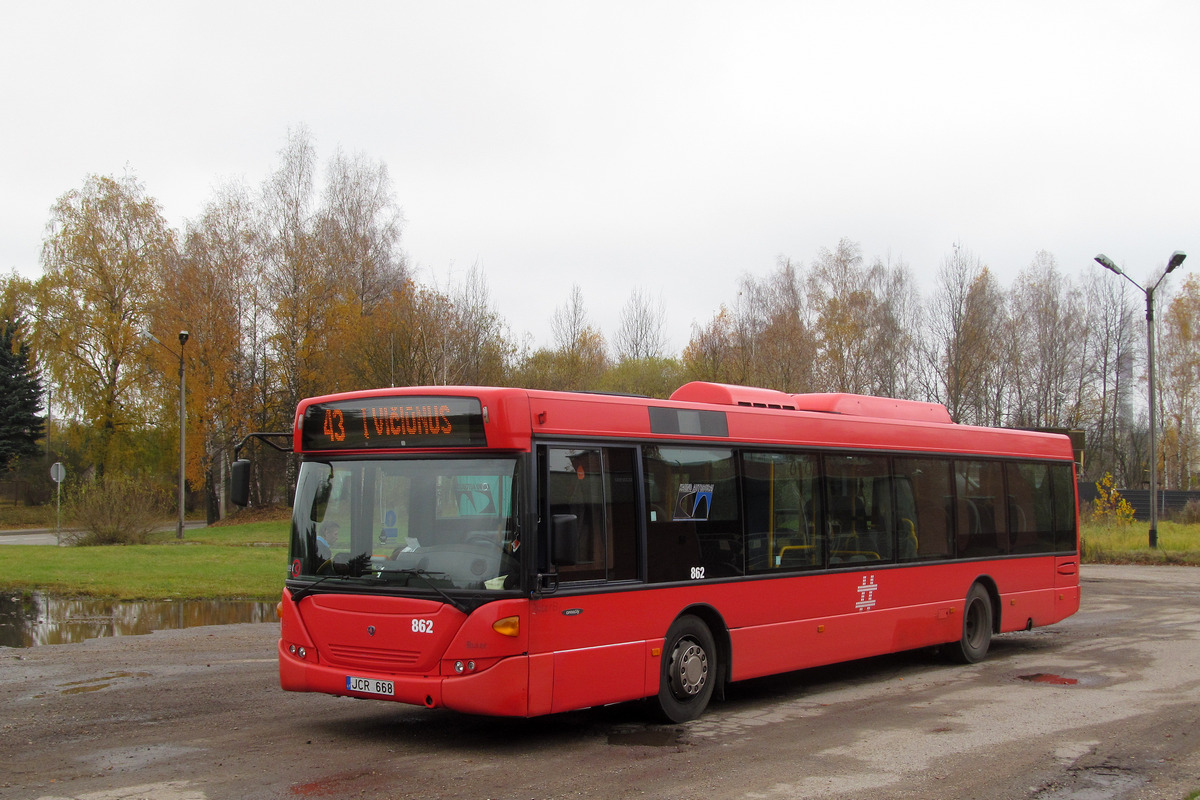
(585, 644)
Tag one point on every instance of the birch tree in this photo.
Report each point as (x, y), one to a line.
(106, 245)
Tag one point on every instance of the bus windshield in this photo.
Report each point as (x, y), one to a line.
(429, 524)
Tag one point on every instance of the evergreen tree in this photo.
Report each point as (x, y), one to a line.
(20, 396)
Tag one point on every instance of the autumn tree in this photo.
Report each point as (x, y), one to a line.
(642, 330)
(105, 246)
(17, 296)
(358, 230)
(709, 355)
(772, 335)
(212, 292)
(578, 360)
(411, 327)
(857, 319)
(480, 351)
(642, 365)
(843, 307)
(899, 316)
(300, 292)
(1112, 349)
(1179, 374)
(1051, 375)
(962, 351)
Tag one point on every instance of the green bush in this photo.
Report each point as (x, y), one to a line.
(115, 509)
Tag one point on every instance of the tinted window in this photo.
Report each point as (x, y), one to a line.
(980, 508)
(1063, 478)
(592, 512)
(1030, 508)
(782, 504)
(693, 525)
(923, 503)
(859, 508)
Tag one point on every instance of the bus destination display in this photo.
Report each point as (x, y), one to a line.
(393, 422)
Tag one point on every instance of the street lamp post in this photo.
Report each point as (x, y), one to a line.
(1176, 259)
(183, 337)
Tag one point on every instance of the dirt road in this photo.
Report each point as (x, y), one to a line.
(1104, 705)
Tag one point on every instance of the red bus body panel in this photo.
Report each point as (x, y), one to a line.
(592, 649)
(577, 649)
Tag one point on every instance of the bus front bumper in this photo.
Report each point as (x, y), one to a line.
(501, 689)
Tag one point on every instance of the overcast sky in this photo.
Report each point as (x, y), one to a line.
(670, 147)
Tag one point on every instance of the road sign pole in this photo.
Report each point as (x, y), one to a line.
(57, 473)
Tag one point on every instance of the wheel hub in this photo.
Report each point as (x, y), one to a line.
(691, 669)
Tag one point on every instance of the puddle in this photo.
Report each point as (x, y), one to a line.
(27, 621)
(1045, 677)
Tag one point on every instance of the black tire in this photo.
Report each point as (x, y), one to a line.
(977, 628)
(689, 670)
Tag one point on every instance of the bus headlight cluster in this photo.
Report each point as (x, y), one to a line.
(299, 652)
(461, 667)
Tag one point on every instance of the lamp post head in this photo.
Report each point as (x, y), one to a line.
(1176, 259)
(1108, 264)
(183, 337)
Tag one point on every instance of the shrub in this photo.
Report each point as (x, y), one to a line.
(1109, 507)
(1189, 514)
(116, 509)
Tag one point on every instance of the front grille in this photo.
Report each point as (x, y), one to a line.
(377, 657)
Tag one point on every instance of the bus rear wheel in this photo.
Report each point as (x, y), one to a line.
(977, 627)
(689, 668)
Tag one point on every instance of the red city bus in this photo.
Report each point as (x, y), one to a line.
(515, 552)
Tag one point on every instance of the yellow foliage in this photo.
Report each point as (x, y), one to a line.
(1109, 506)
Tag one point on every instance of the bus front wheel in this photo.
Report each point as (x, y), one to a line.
(689, 668)
(977, 627)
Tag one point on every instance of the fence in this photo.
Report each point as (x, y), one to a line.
(1140, 500)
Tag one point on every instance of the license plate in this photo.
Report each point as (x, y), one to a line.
(369, 686)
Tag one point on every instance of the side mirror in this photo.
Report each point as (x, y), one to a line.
(239, 483)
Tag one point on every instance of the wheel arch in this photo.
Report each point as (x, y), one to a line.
(989, 585)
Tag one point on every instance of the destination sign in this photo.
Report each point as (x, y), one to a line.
(373, 423)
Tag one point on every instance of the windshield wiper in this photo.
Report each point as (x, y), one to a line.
(425, 578)
(354, 568)
(305, 591)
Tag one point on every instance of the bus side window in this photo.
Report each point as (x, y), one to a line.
(782, 506)
(693, 527)
(575, 497)
(981, 509)
(1030, 508)
(858, 490)
(928, 517)
(1064, 507)
(906, 518)
(592, 513)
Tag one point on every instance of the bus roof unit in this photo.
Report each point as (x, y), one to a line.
(857, 405)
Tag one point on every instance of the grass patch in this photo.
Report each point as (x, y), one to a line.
(249, 561)
(257, 534)
(20, 517)
(237, 562)
(1129, 544)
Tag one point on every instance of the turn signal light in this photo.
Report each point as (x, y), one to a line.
(509, 626)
